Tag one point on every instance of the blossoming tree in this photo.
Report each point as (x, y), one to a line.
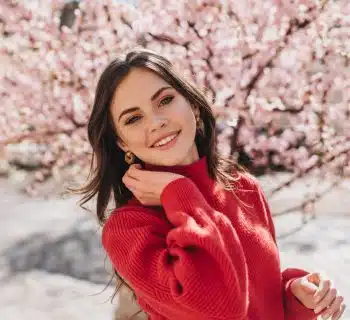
(277, 72)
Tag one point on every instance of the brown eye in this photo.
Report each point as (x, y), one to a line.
(166, 100)
(132, 120)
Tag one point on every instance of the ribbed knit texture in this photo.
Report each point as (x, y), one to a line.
(201, 255)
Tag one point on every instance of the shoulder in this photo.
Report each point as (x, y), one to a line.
(246, 181)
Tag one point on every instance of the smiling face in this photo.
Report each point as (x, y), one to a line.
(145, 108)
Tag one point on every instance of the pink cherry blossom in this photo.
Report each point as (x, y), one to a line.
(277, 72)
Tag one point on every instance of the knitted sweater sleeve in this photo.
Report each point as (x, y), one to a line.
(193, 267)
(294, 309)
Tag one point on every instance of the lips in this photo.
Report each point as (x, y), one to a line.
(165, 136)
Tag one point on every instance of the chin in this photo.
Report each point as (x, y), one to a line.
(165, 159)
(170, 161)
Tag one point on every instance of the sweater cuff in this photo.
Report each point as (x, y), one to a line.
(293, 307)
(182, 194)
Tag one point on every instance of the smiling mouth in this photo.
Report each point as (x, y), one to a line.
(167, 142)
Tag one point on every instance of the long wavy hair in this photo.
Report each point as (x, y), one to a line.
(108, 164)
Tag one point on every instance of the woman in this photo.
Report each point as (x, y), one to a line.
(191, 233)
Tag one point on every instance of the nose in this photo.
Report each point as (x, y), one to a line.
(157, 123)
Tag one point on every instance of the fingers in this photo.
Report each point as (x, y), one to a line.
(137, 188)
(315, 278)
(130, 177)
(146, 198)
(135, 172)
(136, 181)
(333, 307)
(339, 313)
(326, 298)
(322, 290)
(130, 181)
(329, 295)
(136, 178)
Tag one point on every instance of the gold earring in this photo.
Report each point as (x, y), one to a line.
(129, 157)
(200, 123)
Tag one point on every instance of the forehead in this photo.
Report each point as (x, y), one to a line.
(137, 87)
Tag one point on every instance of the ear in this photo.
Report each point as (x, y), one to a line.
(122, 145)
(196, 110)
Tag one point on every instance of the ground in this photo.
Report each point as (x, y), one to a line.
(38, 293)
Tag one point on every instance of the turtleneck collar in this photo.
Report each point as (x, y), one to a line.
(196, 171)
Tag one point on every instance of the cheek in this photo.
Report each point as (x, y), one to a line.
(133, 138)
(189, 122)
(183, 113)
(137, 139)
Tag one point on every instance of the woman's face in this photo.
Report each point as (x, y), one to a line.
(147, 110)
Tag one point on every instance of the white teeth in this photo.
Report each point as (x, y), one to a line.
(165, 140)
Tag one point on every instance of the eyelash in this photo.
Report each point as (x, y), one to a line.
(132, 119)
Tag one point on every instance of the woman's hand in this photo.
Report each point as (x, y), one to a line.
(316, 292)
(147, 186)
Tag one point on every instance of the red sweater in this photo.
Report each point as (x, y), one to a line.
(202, 256)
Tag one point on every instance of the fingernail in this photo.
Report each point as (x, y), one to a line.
(317, 309)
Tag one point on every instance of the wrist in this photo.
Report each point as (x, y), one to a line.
(294, 286)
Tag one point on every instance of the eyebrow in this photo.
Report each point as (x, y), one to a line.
(155, 96)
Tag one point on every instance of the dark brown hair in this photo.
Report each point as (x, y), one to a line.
(107, 163)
